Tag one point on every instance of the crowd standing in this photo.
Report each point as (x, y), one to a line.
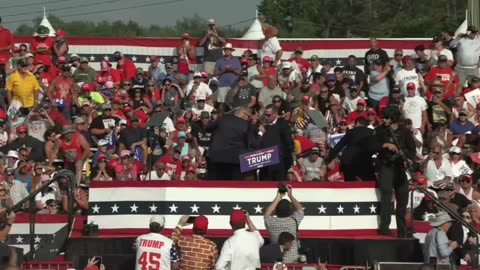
(188, 121)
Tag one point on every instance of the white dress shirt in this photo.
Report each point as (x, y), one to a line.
(241, 251)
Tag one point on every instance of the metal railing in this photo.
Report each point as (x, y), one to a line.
(452, 214)
(59, 176)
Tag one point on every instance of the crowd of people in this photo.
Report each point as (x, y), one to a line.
(192, 121)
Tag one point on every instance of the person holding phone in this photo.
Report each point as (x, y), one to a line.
(202, 258)
(242, 249)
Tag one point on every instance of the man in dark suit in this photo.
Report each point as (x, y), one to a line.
(230, 140)
(273, 252)
(276, 132)
(356, 160)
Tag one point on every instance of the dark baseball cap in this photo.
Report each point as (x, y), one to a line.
(22, 63)
(442, 58)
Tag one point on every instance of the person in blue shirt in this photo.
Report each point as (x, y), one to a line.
(460, 127)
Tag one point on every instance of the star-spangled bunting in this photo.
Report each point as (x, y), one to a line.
(225, 208)
(146, 59)
(24, 239)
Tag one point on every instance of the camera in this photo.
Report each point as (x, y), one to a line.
(282, 188)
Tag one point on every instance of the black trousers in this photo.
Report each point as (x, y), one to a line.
(223, 171)
(392, 178)
(277, 172)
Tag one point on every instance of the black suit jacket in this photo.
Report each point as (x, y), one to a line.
(280, 134)
(355, 143)
(230, 139)
(270, 253)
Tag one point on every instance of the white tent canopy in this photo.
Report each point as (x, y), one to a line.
(47, 24)
(255, 31)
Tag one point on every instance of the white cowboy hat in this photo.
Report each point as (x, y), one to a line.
(440, 219)
(228, 46)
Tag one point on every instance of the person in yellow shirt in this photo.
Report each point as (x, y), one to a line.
(23, 86)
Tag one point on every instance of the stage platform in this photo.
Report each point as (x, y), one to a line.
(116, 249)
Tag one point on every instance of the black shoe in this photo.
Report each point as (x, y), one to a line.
(386, 232)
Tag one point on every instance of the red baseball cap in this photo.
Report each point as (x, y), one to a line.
(200, 225)
(15, 49)
(61, 59)
(203, 73)
(361, 102)
(306, 99)
(116, 100)
(191, 170)
(21, 128)
(60, 32)
(102, 156)
(267, 59)
(88, 87)
(127, 109)
(411, 85)
(180, 120)
(407, 58)
(372, 111)
(185, 36)
(104, 65)
(237, 217)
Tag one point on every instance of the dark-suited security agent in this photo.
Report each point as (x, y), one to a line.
(396, 150)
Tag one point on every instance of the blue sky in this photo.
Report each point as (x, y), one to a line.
(225, 12)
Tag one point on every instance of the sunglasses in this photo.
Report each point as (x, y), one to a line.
(437, 153)
(197, 77)
(398, 54)
(151, 85)
(157, 111)
(23, 132)
(323, 92)
(22, 50)
(127, 84)
(464, 181)
(467, 217)
(167, 84)
(462, 114)
(108, 110)
(449, 189)
(277, 101)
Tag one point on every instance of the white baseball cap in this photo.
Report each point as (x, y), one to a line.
(12, 153)
(197, 74)
(158, 219)
(102, 142)
(286, 64)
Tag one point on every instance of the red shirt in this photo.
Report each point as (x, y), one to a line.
(351, 117)
(445, 74)
(172, 167)
(335, 175)
(54, 72)
(127, 70)
(271, 71)
(383, 104)
(62, 90)
(6, 39)
(44, 57)
(109, 75)
(71, 151)
(303, 64)
(57, 117)
(46, 78)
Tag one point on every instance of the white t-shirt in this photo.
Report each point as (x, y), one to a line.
(403, 77)
(413, 109)
(155, 251)
(168, 125)
(460, 168)
(434, 55)
(202, 90)
(270, 47)
(196, 111)
(418, 197)
(350, 104)
(154, 176)
(241, 251)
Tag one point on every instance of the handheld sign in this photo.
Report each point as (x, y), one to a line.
(259, 159)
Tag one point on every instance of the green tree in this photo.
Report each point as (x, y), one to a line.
(363, 18)
(194, 25)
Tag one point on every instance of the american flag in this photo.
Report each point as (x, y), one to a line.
(126, 207)
(140, 50)
(49, 237)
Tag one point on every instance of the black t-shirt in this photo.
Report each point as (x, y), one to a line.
(200, 132)
(213, 48)
(354, 73)
(436, 113)
(37, 152)
(422, 66)
(131, 135)
(5, 253)
(373, 55)
(244, 95)
(101, 121)
(460, 200)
